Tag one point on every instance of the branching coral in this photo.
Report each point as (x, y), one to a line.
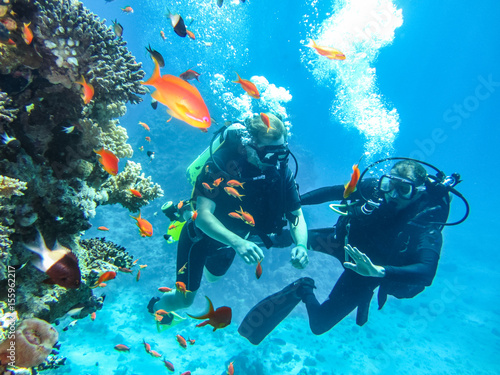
(11, 186)
(7, 113)
(118, 188)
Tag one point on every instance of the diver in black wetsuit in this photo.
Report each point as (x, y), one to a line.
(251, 177)
(391, 239)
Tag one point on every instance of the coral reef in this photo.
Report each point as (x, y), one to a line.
(34, 341)
(7, 114)
(119, 186)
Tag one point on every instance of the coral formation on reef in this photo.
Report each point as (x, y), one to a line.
(48, 136)
(34, 341)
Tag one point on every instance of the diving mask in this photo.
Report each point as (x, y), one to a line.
(272, 154)
(398, 186)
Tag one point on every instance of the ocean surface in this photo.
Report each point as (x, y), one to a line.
(421, 79)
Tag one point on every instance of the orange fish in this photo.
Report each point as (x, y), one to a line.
(194, 215)
(218, 181)
(141, 266)
(219, 318)
(88, 90)
(234, 215)
(93, 316)
(350, 187)
(182, 341)
(233, 183)
(164, 289)
(207, 186)
(145, 227)
(181, 288)
(122, 348)
(154, 353)
(162, 312)
(28, 34)
(125, 270)
(183, 269)
(233, 192)
(172, 226)
(246, 217)
(104, 229)
(169, 365)
(136, 193)
(183, 100)
(138, 275)
(102, 285)
(144, 125)
(266, 121)
(180, 204)
(258, 271)
(135, 261)
(110, 275)
(191, 341)
(249, 87)
(190, 34)
(146, 346)
(162, 33)
(328, 52)
(128, 9)
(108, 160)
(230, 369)
(147, 139)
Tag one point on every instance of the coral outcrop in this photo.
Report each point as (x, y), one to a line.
(33, 343)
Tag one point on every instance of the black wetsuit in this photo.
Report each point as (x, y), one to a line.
(406, 244)
(266, 196)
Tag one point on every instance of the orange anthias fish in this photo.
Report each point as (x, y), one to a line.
(147, 139)
(147, 347)
(233, 183)
(122, 348)
(230, 369)
(233, 192)
(182, 269)
(249, 87)
(207, 186)
(190, 34)
(181, 288)
(104, 229)
(145, 227)
(182, 341)
(266, 121)
(246, 217)
(183, 100)
(258, 271)
(128, 9)
(164, 289)
(27, 33)
(350, 187)
(138, 277)
(108, 160)
(144, 125)
(162, 33)
(234, 215)
(110, 275)
(93, 316)
(88, 90)
(218, 181)
(136, 193)
(328, 52)
(219, 318)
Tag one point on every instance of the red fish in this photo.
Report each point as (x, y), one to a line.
(182, 341)
(122, 348)
(138, 275)
(136, 193)
(146, 346)
(88, 90)
(104, 229)
(190, 74)
(194, 215)
(219, 318)
(186, 373)
(106, 276)
(164, 289)
(249, 87)
(230, 369)
(234, 215)
(108, 160)
(218, 181)
(350, 187)
(93, 316)
(190, 34)
(60, 264)
(233, 183)
(328, 52)
(144, 125)
(145, 227)
(258, 271)
(181, 288)
(246, 217)
(266, 121)
(169, 365)
(28, 34)
(128, 9)
(183, 100)
(233, 192)
(147, 139)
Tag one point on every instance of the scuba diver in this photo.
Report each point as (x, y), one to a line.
(387, 236)
(244, 188)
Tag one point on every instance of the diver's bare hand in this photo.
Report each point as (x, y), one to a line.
(300, 259)
(362, 264)
(249, 251)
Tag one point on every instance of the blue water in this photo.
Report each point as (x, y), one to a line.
(423, 80)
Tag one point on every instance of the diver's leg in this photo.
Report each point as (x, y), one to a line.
(218, 262)
(350, 291)
(210, 277)
(192, 255)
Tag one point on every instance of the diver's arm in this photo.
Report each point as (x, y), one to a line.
(299, 235)
(322, 195)
(212, 227)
